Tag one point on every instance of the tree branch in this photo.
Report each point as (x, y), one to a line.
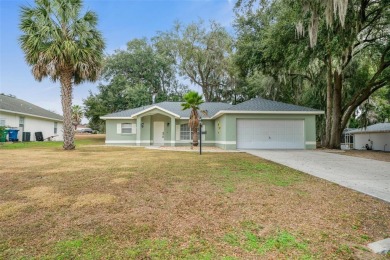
(358, 99)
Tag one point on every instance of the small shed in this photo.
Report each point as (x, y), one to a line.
(375, 137)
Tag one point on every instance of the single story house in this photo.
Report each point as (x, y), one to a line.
(254, 124)
(29, 118)
(376, 137)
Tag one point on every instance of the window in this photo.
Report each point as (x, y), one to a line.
(185, 132)
(2, 122)
(126, 128)
(55, 127)
(21, 121)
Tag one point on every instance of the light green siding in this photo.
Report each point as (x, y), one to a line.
(310, 132)
(146, 132)
(210, 131)
(112, 137)
(220, 131)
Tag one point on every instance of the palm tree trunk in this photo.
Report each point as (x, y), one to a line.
(66, 100)
(195, 136)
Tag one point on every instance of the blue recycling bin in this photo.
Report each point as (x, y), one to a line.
(13, 135)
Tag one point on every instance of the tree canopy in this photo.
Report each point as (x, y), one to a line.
(202, 56)
(133, 77)
(346, 66)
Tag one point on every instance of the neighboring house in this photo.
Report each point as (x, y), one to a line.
(19, 114)
(254, 124)
(376, 137)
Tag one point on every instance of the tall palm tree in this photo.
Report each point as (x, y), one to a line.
(192, 101)
(77, 115)
(63, 45)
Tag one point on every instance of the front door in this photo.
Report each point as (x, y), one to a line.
(158, 137)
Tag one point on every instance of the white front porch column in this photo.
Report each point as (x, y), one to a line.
(173, 131)
(138, 140)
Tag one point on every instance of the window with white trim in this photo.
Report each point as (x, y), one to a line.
(185, 132)
(127, 128)
(2, 122)
(55, 127)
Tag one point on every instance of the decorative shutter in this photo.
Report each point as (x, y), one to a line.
(119, 128)
(203, 135)
(177, 132)
(133, 128)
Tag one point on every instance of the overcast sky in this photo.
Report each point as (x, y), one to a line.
(119, 20)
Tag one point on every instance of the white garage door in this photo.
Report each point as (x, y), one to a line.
(270, 134)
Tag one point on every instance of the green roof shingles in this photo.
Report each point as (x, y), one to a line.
(19, 106)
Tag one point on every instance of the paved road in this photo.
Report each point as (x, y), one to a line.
(365, 175)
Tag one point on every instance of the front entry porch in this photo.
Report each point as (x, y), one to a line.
(156, 128)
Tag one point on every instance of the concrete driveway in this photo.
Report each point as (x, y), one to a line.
(365, 175)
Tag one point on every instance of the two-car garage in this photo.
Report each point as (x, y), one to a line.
(270, 134)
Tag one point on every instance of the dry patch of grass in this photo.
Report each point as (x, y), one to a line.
(93, 199)
(44, 197)
(119, 180)
(134, 203)
(8, 209)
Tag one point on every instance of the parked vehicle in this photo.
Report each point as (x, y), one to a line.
(84, 130)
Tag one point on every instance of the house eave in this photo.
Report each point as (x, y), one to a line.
(32, 115)
(370, 132)
(115, 117)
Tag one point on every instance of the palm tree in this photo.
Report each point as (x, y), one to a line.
(61, 44)
(192, 101)
(77, 115)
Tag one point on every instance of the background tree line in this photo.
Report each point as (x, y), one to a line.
(329, 55)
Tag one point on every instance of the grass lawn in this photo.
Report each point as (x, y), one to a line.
(132, 203)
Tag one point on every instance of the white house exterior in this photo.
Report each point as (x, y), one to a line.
(377, 137)
(19, 114)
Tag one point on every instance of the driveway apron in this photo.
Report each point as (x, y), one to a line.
(364, 175)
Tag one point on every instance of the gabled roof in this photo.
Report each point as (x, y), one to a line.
(215, 109)
(18, 106)
(261, 104)
(377, 128)
(173, 107)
